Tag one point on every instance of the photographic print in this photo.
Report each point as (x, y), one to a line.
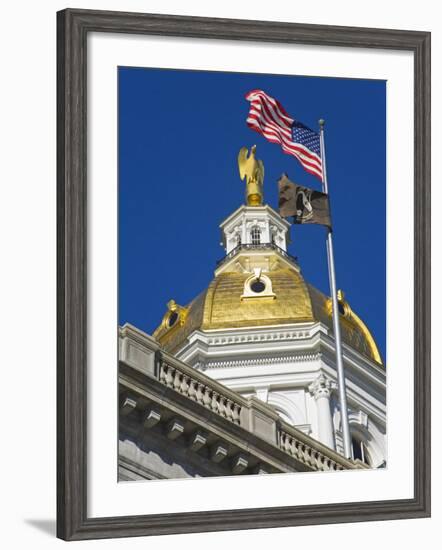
(226, 190)
(252, 274)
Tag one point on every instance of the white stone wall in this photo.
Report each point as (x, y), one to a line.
(293, 369)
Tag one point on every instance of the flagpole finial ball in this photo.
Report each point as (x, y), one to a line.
(321, 122)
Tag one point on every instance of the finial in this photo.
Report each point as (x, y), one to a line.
(321, 122)
(252, 170)
(257, 271)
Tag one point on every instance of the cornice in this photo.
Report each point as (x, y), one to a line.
(252, 212)
(309, 340)
(254, 335)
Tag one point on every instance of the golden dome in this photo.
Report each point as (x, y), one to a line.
(293, 300)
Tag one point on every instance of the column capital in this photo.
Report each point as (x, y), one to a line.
(321, 387)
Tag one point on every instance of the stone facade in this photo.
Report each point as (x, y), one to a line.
(177, 422)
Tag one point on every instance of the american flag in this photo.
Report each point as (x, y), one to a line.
(269, 118)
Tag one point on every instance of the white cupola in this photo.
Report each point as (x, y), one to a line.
(254, 237)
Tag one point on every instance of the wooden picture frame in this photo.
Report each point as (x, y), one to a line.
(73, 27)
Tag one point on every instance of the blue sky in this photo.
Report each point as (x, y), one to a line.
(179, 137)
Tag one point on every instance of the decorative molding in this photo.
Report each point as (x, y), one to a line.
(259, 337)
(129, 404)
(258, 361)
(322, 386)
(152, 417)
(359, 418)
(198, 440)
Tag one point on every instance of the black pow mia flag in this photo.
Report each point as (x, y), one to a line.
(304, 204)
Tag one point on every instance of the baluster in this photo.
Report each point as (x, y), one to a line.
(229, 410)
(315, 459)
(222, 406)
(303, 455)
(163, 369)
(327, 463)
(236, 413)
(288, 444)
(293, 446)
(177, 381)
(214, 403)
(206, 397)
(169, 376)
(199, 393)
(184, 385)
(192, 389)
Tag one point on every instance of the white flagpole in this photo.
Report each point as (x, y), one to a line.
(336, 326)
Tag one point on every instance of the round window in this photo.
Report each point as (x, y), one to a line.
(258, 286)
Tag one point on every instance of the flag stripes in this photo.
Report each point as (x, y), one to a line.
(269, 118)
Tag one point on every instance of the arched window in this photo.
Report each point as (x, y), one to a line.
(359, 450)
(256, 235)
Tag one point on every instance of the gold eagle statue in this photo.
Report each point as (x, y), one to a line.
(252, 170)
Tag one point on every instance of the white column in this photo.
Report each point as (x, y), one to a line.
(321, 391)
(268, 237)
(245, 237)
